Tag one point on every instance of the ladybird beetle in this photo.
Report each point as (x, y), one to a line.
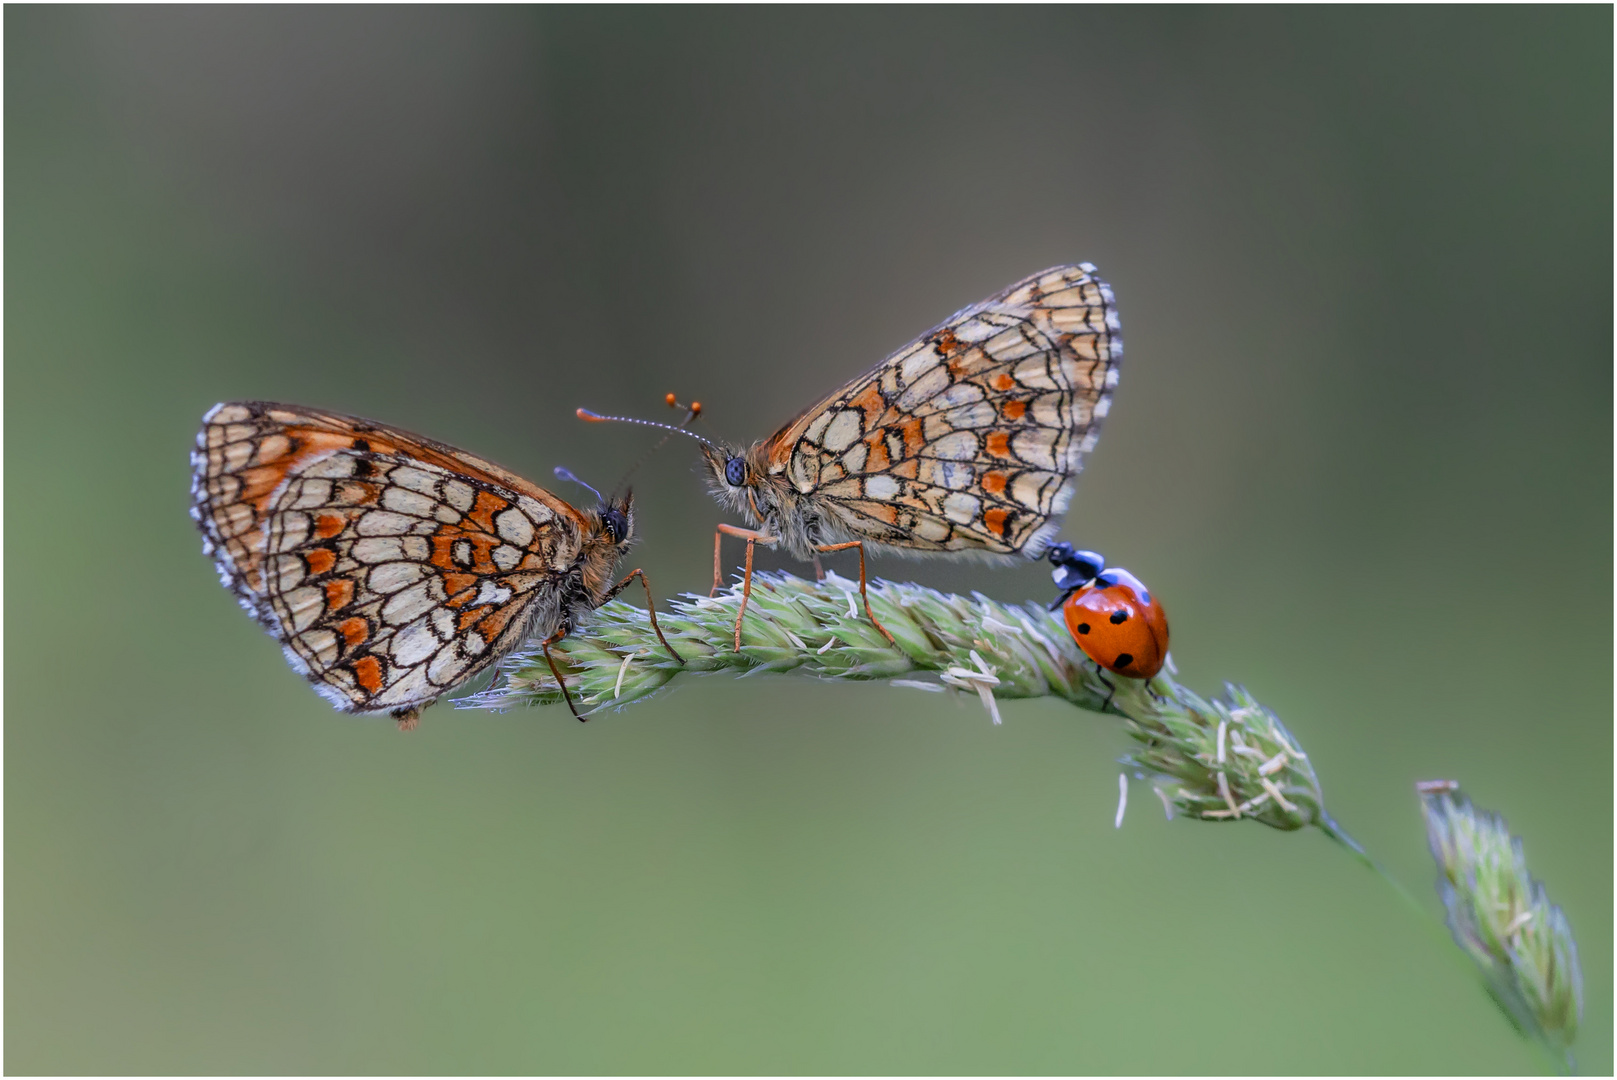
(1111, 615)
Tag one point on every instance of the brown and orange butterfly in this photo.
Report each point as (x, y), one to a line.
(966, 442)
(392, 567)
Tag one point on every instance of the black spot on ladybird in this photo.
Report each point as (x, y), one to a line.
(1083, 628)
(1123, 660)
(1121, 615)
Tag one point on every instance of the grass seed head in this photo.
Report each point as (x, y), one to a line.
(1501, 918)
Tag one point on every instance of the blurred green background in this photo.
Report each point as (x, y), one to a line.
(1362, 448)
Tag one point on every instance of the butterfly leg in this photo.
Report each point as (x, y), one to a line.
(862, 594)
(561, 682)
(651, 607)
(819, 571)
(746, 593)
(752, 537)
(718, 537)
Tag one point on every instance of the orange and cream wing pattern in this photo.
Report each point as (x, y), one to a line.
(968, 439)
(389, 566)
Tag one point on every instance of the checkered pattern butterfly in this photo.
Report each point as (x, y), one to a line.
(392, 567)
(965, 442)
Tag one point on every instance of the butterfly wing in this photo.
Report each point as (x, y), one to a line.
(969, 439)
(390, 567)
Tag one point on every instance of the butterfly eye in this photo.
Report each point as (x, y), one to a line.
(617, 526)
(735, 472)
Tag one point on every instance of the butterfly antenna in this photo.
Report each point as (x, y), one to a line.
(597, 418)
(567, 474)
(692, 411)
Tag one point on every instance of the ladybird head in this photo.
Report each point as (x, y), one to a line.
(1073, 568)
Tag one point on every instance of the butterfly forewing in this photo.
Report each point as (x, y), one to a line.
(968, 439)
(390, 567)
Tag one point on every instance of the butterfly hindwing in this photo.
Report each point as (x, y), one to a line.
(969, 439)
(389, 566)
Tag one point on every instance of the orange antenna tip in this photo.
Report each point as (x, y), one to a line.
(692, 411)
(585, 414)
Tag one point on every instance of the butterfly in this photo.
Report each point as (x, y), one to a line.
(965, 442)
(391, 567)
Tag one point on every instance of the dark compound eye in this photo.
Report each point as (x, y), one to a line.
(735, 472)
(617, 526)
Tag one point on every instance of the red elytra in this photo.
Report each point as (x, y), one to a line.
(1118, 624)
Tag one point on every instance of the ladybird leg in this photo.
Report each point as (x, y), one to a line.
(752, 537)
(651, 607)
(554, 670)
(862, 594)
(1110, 687)
(1159, 698)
